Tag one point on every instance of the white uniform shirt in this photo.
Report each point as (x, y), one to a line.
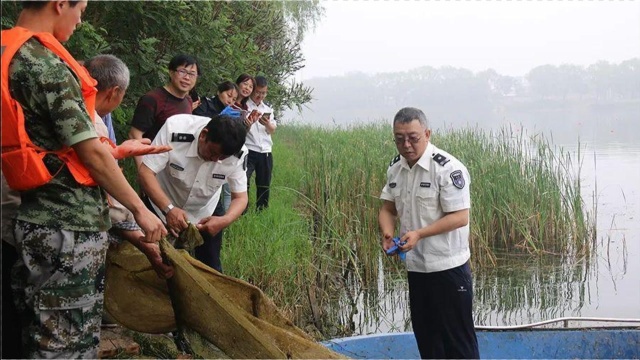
(191, 183)
(258, 139)
(437, 184)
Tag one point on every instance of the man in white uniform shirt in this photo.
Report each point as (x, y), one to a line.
(427, 189)
(184, 184)
(259, 143)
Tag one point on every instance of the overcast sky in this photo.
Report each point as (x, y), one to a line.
(511, 37)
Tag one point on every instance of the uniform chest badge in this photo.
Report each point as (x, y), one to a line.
(176, 166)
(425, 184)
(218, 176)
(458, 179)
(392, 185)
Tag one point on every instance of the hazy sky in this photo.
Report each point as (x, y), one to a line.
(511, 37)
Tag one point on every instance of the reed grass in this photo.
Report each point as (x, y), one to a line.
(321, 231)
(315, 251)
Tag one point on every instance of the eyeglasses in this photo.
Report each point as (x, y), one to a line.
(400, 140)
(184, 73)
(261, 93)
(211, 153)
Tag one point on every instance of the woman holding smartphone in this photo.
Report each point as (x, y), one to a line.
(226, 96)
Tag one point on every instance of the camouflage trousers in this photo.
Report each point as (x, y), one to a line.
(57, 285)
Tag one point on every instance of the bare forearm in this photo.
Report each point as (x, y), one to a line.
(387, 218)
(238, 203)
(136, 134)
(270, 127)
(152, 188)
(447, 223)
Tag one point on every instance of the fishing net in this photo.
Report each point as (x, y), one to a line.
(235, 316)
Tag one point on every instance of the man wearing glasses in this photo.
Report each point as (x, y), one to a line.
(184, 184)
(427, 189)
(259, 143)
(156, 106)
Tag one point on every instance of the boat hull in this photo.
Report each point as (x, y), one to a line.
(619, 343)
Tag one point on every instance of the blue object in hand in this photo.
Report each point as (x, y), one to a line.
(396, 250)
(231, 112)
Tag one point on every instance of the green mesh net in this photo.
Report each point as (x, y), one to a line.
(233, 315)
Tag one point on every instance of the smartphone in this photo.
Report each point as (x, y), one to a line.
(194, 95)
(266, 115)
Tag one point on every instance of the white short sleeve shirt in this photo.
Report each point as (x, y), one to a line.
(437, 184)
(257, 138)
(191, 183)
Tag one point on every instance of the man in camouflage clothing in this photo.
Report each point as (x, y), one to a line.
(60, 226)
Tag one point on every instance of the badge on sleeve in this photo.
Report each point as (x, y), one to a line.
(458, 179)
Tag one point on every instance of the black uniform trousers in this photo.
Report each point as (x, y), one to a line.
(441, 305)
(209, 251)
(262, 165)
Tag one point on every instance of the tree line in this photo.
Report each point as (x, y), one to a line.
(227, 37)
(463, 96)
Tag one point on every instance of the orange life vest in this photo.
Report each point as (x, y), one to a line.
(22, 160)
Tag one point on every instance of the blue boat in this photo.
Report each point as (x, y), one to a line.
(513, 342)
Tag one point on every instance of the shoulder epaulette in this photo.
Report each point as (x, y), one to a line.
(239, 154)
(395, 160)
(182, 137)
(440, 159)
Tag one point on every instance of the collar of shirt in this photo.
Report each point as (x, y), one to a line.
(424, 161)
(193, 149)
(263, 108)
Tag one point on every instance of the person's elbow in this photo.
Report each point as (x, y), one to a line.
(145, 175)
(93, 155)
(461, 218)
(240, 198)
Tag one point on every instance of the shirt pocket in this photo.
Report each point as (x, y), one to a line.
(212, 185)
(428, 199)
(178, 172)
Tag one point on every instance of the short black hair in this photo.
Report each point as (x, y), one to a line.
(40, 4)
(261, 81)
(227, 131)
(226, 86)
(183, 60)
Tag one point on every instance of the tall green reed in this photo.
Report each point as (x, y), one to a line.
(319, 240)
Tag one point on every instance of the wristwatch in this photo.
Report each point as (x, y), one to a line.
(166, 210)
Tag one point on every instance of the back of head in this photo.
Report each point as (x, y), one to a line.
(39, 4)
(109, 71)
(409, 114)
(227, 131)
(183, 60)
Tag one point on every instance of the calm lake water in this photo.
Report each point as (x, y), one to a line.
(527, 289)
